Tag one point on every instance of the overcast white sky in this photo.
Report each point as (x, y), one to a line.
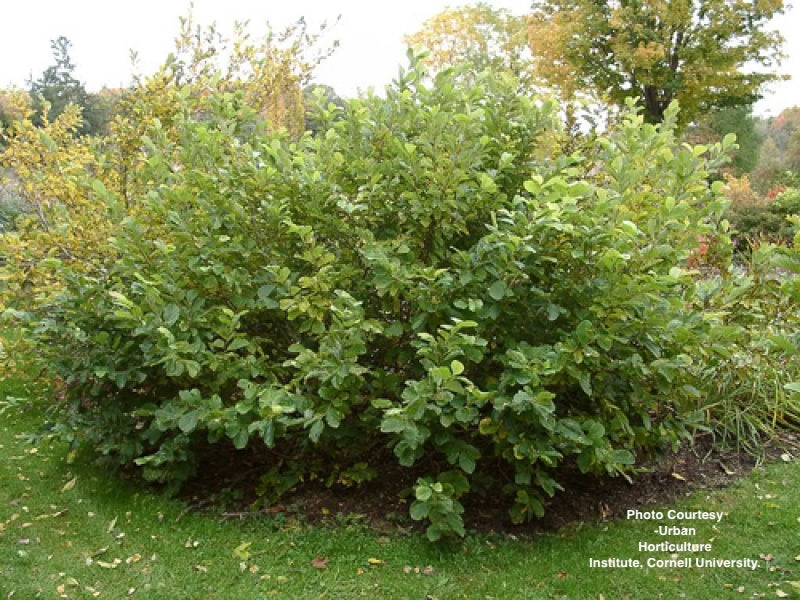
(370, 34)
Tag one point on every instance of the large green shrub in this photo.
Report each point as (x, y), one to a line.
(425, 276)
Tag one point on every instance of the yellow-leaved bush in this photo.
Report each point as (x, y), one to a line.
(74, 190)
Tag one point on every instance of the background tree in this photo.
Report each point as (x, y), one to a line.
(793, 151)
(57, 86)
(702, 53)
(786, 131)
(738, 120)
(265, 73)
(779, 159)
(269, 71)
(101, 106)
(482, 35)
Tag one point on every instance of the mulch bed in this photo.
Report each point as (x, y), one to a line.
(228, 483)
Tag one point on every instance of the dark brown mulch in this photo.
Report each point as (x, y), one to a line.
(228, 487)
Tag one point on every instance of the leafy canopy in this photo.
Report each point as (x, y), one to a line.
(702, 53)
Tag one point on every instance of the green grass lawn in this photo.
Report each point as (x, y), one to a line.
(73, 531)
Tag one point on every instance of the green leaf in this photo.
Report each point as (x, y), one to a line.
(393, 424)
(623, 457)
(498, 290)
(433, 533)
(238, 343)
(584, 333)
(192, 368)
(440, 373)
(240, 439)
(188, 422)
(316, 430)
(457, 367)
(466, 462)
(419, 511)
(630, 228)
(585, 381)
(423, 492)
(171, 314)
(487, 183)
(381, 403)
(553, 312)
(533, 186)
(394, 330)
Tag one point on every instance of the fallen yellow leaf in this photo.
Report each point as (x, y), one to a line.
(376, 561)
(241, 551)
(108, 565)
(70, 484)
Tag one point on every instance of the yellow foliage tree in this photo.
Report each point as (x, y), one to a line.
(269, 73)
(15, 105)
(50, 167)
(479, 34)
(698, 52)
(76, 188)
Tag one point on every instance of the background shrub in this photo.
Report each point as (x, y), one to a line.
(11, 207)
(757, 219)
(751, 364)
